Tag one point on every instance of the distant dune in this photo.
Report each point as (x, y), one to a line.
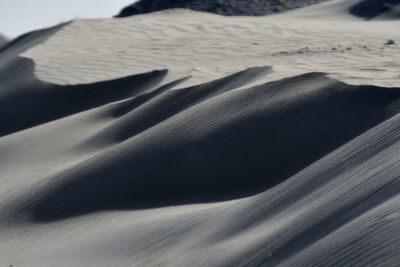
(183, 138)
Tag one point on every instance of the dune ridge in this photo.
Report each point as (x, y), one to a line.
(188, 141)
(87, 187)
(254, 155)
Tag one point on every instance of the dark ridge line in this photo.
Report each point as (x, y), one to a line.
(123, 108)
(26, 101)
(161, 107)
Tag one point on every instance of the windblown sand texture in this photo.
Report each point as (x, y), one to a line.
(184, 138)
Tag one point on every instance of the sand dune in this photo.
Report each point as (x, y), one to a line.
(325, 38)
(370, 9)
(159, 140)
(35, 102)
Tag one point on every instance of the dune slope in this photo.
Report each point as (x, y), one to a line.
(214, 147)
(155, 146)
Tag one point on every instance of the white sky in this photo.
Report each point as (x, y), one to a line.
(20, 16)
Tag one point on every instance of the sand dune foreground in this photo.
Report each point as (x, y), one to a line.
(182, 138)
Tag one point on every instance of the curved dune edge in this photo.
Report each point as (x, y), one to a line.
(318, 38)
(306, 165)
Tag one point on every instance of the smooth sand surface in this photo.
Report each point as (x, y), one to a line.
(181, 138)
(209, 46)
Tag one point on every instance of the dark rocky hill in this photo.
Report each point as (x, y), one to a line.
(222, 7)
(370, 9)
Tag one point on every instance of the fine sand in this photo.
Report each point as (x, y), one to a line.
(183, 138)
